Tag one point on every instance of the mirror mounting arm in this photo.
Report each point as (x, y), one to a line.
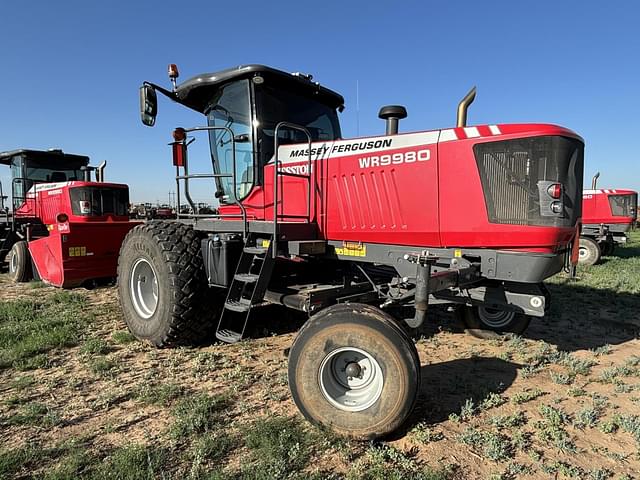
(164, 91)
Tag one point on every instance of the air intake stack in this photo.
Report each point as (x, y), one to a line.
(392, 114)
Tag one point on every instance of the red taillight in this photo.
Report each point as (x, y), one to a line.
(555, 190)
(179, 154)
(62, 218)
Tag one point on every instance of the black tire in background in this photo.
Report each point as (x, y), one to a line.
(589, 251)
(19, 260)
(607, 247)
(162, 286)
(489, 323)
(380, 395)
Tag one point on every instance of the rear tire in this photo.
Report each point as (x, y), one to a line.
(589, 252)
(490, 323)
(19, 260)
(162, 286)
(363, 341)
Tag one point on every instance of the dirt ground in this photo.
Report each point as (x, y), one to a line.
(563, 401)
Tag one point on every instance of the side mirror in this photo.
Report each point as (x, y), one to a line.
(148, 105)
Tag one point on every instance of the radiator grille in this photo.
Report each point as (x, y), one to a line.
(512, 171)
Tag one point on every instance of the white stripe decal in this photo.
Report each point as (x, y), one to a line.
(494, 129)
(471, 132)
(357, 146)
(448, 135)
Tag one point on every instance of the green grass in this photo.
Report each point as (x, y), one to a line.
(35, 414)
(29, 329)
(132, 463)
(122, 337)
(199, 414)
(382, 462)
(95, 346)
(163, 394)
(279, 446)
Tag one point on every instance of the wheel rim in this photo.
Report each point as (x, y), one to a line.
(13, 263)
(495, 318)
(144, 288)
(350, 393)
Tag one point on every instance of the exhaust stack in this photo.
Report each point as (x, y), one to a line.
(392, 114)
(100, 171)
(463, 106)
(594, 180)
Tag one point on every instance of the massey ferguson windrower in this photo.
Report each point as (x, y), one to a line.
(60, 226)
(607, 214)
(352, 232)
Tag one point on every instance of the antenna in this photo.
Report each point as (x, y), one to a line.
(357, 108)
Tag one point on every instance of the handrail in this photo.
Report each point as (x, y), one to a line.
(276, 141)
(188, 176)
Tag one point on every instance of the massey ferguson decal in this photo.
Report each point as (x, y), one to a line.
(343, 148)
(374, 152)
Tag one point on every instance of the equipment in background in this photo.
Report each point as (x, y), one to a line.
(607, 214)
(59, 226)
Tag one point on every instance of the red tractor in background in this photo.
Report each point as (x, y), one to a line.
(62, 228)
(607, 214)
(362, 235)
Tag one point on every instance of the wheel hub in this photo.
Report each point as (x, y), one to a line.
(144, 288)
(350, 379)
(353, 370)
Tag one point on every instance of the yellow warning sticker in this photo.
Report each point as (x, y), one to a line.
(265, 243)
(457, 253)
(77, 251)
(352, 249)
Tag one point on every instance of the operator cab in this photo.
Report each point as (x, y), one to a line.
(31, 167)
(250, 101)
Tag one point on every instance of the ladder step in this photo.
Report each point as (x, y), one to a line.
(242, 305)
(255, 250)
(228, 336)
(246, 277)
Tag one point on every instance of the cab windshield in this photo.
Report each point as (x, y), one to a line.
(230, 108)
(27, 173)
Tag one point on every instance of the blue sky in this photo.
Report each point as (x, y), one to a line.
(71, 70)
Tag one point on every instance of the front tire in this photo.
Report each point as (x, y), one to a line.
(163, 290)
(490, 323)
(19, 260)
(353, 369)
(589, 252)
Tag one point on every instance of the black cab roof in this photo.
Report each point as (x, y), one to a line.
(55, 156)
(196, 92)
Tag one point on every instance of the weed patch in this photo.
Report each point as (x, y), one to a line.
(198, 414)
(31, 328)
(278, 447)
